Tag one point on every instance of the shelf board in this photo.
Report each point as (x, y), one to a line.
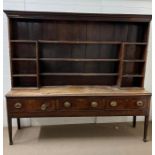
(78, 42)
(135, 43)
(23, 41)
(133, 75)
(75, 59)
(80, 74)
(134, 60)
(23, 59)
(24, 75)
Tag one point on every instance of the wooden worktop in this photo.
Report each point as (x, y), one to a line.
(76, 91)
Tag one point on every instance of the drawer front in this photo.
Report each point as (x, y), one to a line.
(126, 103)
(79, 103)
(31, 105)
(78, 106)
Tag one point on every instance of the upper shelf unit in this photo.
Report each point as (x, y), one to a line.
(49, 49)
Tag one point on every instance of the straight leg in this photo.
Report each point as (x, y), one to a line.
(134, 121)
(146, 123)
(10, 130)
(18, 123)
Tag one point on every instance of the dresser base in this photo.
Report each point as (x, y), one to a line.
(77, 102)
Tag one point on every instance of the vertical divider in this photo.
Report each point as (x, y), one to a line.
(144, 66)
(145, 54)
(121, 63)
(37, 64)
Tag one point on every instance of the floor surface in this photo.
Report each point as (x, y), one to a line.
(83, 139)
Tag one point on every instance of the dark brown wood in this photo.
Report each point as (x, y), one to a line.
(146, 123)
(56, 104)
(78, 16)
(75, 59)
(23, 59)
(80, 42)
(102, 57)
(121, 57)
(81, 74)
(18, 123)
(133, 75)
(37, 65)
(10, 130)
(134, 121)
(24, 75)
(88, 43)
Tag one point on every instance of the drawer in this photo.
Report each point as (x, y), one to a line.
(30, 105)
(75, 104)
(126, 103)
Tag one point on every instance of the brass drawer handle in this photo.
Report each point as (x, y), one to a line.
(140, 103)
(113, 103)
(44, 107)
(94, 104)
(18, 105)
(67, 104)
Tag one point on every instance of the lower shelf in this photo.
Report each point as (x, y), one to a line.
(132, 81)
(24, 81)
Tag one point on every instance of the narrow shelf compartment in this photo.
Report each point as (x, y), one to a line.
(23, 50)
(135, 52)
(132, 82)
(133, 68)
(24, 82)
(24, 67)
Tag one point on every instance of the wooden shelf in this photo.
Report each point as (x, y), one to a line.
(135, 43)
(23, 41)
(75, 59)
(134, 60)
(78, 42)
(133, 75)
(80, 74)
(23, 59)
(24, 75)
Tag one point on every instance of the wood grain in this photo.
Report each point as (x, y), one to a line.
(76, 91)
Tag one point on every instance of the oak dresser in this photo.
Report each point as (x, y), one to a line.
(77, 64)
